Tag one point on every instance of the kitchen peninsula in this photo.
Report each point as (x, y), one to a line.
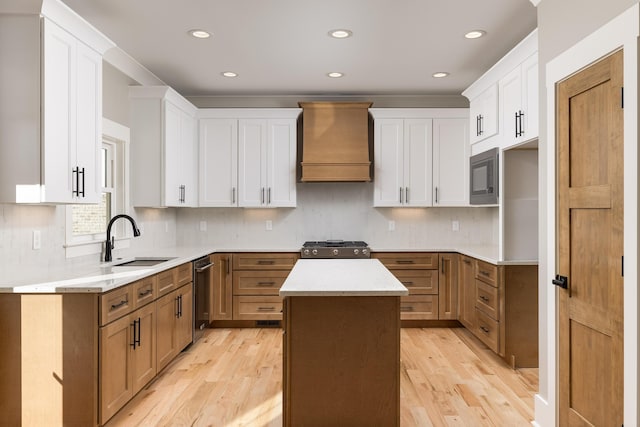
(341, 343)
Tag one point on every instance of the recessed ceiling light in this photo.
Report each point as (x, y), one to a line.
(475, 34)
(335, 75)
(440, 74)
(200, 34)
(229, 74)
(340, 33)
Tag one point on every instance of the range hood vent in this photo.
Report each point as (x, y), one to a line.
(335, 142)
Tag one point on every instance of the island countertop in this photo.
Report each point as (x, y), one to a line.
(341, 277)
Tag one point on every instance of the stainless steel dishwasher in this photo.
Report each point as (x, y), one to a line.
(201, 295)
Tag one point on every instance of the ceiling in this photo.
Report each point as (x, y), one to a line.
(282, 47)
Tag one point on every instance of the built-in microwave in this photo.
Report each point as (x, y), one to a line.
(483, 173)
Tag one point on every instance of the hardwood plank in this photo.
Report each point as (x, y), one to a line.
(233, 377)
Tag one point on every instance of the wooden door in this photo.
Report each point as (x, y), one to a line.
(467, 293)
(448, 287)
(144, 352)
(184, 324)
(116, 387)
(590, 245)
(221, 288)
(166, 346)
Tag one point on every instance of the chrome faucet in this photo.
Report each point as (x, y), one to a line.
(110, 240)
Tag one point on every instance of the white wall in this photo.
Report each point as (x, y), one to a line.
(338, 211)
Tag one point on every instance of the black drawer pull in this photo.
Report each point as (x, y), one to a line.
(265, 262)
(405, 261)
(266, 284)
(408, 283)
(145, 293)
(483, 298)
(466, 261)
(406, 308)
(118, 305)
(484, 329)
(266, 309)
(485, 273)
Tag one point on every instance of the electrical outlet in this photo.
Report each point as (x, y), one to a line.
(37, 242)
(269, 225)
(455, 225)
(392, 226)
(166, 226)
(203, 225)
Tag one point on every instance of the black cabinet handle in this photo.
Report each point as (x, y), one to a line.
(406, 308)
(81, 193)
(408, 283)
(118, 305)
(266, 284)
(485, 273)
(484, 329)
(404, 261)
(484, 298)
(481, 125)
(139, 332)
(466, 261)
(136, 333)
(177, 300)
(144, 293)
(266, 309)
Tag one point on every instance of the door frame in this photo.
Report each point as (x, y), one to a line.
(621, 32)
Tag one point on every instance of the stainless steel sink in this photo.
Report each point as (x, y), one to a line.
(143, 262)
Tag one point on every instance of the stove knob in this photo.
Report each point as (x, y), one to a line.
(335, 252)
(356, 252)
(315, 252)
(306, 252)
(365, 251)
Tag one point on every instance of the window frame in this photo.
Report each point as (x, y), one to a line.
(116, 136)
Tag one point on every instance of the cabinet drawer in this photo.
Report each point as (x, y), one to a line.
(408, 260)
(487, 330)
(258, 282)
(486, 272)
(145, 291)
(116, 304)
(419, 307)
(265, 261)
(166, 281)
(257, 308)
(487, 299)
(419, 282)
(184, 273)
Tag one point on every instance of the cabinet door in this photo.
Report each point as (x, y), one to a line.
(418, 146)
(172, 142)
(188, 160)
(184, 322)
(530, 97)
(450, 162)
(484, 114)
(89, 123)
(511, 106)
(281, 163)
(144, 352)
(166, 311)
(252, 191)
(221, 288)
(388, 156)
(116, 382)
(218, 184)
(448, 287)
(467, 293)
(59, 113)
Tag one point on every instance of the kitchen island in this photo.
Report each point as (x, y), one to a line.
(341, 343)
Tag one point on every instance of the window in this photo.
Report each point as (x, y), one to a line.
(86, 225)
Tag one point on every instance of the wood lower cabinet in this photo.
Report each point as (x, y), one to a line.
(256, 282)
(466, 292)
(221, 290)
(127, 359)
(448, 286)
(175, 329)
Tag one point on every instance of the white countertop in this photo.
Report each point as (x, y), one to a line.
(341, 277)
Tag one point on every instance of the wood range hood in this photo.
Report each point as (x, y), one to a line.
(335, 142)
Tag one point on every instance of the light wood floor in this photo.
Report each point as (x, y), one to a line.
(233, 377)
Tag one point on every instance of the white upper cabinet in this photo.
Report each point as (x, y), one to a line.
(518, 99)
(483, 117)
(248, 157)
(218, 179)
(52, 106)
(450, 162)
(418, 153)
(510, 87)
(163, 148)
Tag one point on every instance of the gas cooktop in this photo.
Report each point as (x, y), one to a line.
(335, 249)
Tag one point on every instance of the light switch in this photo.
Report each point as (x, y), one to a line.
(392, 226)
(269, 225)
(37, 243)
(455, 225)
